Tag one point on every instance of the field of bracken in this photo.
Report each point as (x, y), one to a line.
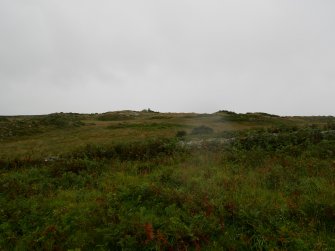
(167, 181)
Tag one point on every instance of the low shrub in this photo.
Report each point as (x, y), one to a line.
(202, 130)
(181, 134)
(3, 119)
(115, 117)
(137, 150)
(264, 190)
(60, 120)
(145, 126)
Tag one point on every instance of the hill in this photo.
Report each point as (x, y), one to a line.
(144, 180)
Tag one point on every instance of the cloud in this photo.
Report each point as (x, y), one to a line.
(273, 56)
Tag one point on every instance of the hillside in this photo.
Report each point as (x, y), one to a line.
(144, 180)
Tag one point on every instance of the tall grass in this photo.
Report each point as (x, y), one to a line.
(269, 189)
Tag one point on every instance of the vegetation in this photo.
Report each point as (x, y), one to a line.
(181, 134)
(119, 116)
(79, 182)
(202, 130)
(145, 126)
(25, 126)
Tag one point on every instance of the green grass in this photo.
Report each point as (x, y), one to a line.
(82, 183)
(145, 126)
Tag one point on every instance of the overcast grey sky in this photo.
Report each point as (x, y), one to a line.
(275, 56)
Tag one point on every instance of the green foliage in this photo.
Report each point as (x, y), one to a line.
(227, 112)
(251, 118)
(3, 119)
(60, 120)
(258, 189)
(148, 111)
(27, 126)
(330, 126)
(136, 150)
(145, 126)
(181, 134)
(202, 130)
(15, 128)
(291, 141)
(116, 116)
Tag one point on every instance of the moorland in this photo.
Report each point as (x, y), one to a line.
(144, 180)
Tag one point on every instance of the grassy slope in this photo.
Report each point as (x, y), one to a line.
(40, 141)
(122, 181)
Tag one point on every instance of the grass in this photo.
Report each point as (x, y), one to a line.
(133, 185)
